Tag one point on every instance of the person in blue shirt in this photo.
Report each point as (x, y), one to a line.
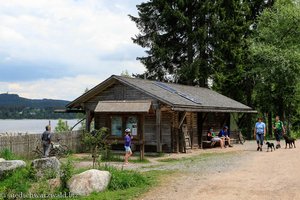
(127, 145)
(224, 133)
(260, 133)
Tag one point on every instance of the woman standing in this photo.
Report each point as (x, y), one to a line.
(260, 133)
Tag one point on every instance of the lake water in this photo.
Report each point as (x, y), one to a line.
(31, 125)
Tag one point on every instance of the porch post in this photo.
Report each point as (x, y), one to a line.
(201, 117)
(88, 120)
(142, 138)
(158, 129)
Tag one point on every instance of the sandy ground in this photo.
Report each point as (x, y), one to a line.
(253, 175)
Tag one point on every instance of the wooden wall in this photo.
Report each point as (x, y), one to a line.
(117, 91)
(166, 127)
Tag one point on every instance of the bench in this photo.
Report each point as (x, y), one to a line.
(208, 144)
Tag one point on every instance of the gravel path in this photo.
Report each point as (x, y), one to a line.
(237, 173)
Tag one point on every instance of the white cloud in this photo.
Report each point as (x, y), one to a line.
(64, 46)
(67, 88)
(74, 34)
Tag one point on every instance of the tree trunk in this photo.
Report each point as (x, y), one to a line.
(270, 129)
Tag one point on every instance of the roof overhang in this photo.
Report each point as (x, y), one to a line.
(214, 109)
(123, 106)
(69, 111)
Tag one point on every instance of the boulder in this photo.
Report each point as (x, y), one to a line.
(89, 181)
(10, 165)
(2, 159)
(46, 167)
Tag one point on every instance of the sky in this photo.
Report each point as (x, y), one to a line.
(57, 48)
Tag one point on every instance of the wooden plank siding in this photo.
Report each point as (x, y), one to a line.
(166, 127)
(117, 91)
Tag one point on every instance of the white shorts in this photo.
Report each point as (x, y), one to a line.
(128, 149)
(216, 139)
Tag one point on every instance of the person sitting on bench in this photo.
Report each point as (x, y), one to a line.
(211, 136)
(224, 133)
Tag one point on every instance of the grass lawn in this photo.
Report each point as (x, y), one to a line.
(124, 184)
(152, 178)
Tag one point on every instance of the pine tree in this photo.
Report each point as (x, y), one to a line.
(176, 36)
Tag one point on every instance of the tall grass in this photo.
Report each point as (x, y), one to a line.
(123, 179)
(16, 182)
(8, 155)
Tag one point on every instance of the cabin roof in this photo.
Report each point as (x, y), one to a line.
(179, 97)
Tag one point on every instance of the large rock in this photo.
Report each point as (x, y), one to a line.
(46, 167)
(10, 165)
(89, 181)
(2, 159)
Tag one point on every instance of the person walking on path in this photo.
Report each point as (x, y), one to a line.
(127, 145)
(46, 141)
(279, 130)
(260, 133)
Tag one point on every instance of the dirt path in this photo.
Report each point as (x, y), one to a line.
(252, 175)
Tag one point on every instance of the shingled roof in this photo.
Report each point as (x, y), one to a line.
(179, 97)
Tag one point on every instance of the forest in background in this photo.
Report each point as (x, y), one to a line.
(247, 50)
(12, 106)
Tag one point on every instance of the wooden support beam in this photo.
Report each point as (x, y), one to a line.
(175, 133)
(182, 120)
(158, 129)
(88, 120)
(201, 117)
(142, 138)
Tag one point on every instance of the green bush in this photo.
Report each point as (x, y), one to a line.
(61, 126)
(295, 134)
(123, 179)
(67, 169)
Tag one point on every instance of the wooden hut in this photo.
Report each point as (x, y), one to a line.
(160, 115)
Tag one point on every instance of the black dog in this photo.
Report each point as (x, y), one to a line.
(270, 145)
(290, 141)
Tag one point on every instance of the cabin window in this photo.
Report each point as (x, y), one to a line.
(132, 123)
(120, 122)
(116, 125)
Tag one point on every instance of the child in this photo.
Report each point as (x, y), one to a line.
(127, 145)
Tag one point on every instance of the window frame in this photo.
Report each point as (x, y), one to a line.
(124, 118)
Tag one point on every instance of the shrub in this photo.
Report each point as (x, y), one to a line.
(67, 170)
(96, 142)
(295, 134)
(61, 126)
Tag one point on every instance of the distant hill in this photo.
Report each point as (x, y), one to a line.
(12, 106)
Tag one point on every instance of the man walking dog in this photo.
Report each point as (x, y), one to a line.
(279, 130)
